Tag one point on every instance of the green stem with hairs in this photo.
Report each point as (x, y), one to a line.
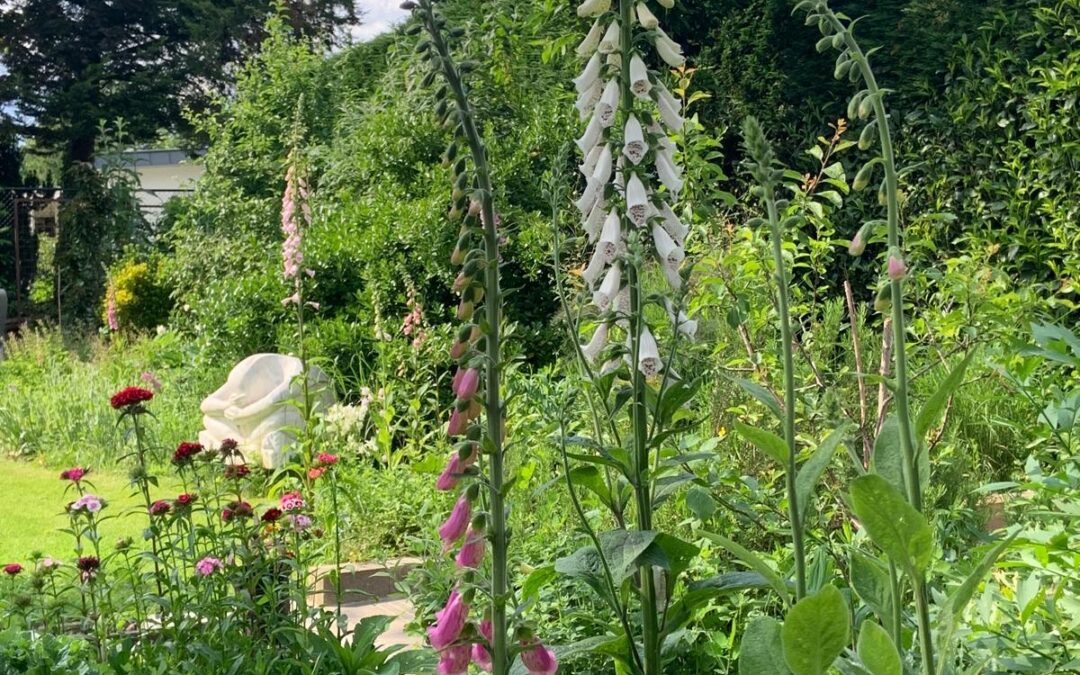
(500, 647)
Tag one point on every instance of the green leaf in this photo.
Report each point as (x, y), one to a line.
(766, 441)
(932, 409)
(888, 458)
(537, 579)
(810, 473)
(700, 502)
(751, 560)
(815, 632)
(669, 553)
(699, 592)
(870, 579)
(893, 523)
(623, 549)
(877, 651)
(762, 394)
(590, 478)
(762, 651)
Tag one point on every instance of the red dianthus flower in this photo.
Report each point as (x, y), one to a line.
(185, 452)
(131, 396)
(12, 569)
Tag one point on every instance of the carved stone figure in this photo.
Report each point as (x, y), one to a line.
(258, 407)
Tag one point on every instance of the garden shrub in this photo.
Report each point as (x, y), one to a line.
(138, 293)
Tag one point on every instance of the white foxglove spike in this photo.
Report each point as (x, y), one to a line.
(595, 220)
(596, 344)
(596, 266)
(670, 114)
(669, 50)
(649, 362)
(602, 170)
(670, 175)
(609, 288)
(594, 7)
(590, 137)
(588, 76)
(610, 43)
(682, 323)
(587, 100)
(592, 39)
(639, 77)
(589, 196)
(645, 17)
(589, 163)
(671, 273)
(634, 145)
(637, 200)
(673, 225)
(611, 236)
(666, 249)
(608, 104)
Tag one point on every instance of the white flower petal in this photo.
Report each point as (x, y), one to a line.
(634, 145)
(666, 249)
(590, 137)
(589, 75)
(670, 175)
(592, 39)
(608, 103)
(596, 266)
(594, 7)
(674, 279)
(649, 362)
(645, 17)
(609, 288)
(673, 225)
(611, 41)
(611, 242)
(639, 77)
(588, 196)
(602, 170)
(596, 344)
(595, 220)
(589, 163)
(637, 200)
(587, 100)
(669, 50)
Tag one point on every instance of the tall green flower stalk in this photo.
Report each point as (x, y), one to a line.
(762, 166)
(869, 104)
(478, 351)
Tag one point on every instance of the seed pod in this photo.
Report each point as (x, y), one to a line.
(862, 179)
(868, 135)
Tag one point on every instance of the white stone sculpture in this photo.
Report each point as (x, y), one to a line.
(257, 407)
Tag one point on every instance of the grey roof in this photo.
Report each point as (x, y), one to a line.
(150, 157)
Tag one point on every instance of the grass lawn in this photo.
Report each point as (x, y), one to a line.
(32, 510)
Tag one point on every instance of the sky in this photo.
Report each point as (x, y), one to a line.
(379, 16)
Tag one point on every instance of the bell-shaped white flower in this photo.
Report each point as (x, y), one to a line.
(596, 344)
(592, 39)
(609, 288)
(594, 7)
(589, 163)
(604, 165)
(639, 77)
(589, 196)
(671, 273)
(608, 103)
(614, 60)
(595, 220)
(637, 200)
(667, 250)
(595, 268)
(587, 100)
(622, 306)
(666, 4)
(590, 137)
(649, 362)
(589, 76)
(634, 145)
(670, 114)
(620, 177)
(680, 321)
(670, 175)
(645, 17)
(669, 50)
(611, 41)
(611, 241)
(673, 225)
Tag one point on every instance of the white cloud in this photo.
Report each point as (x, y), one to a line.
(379, 16)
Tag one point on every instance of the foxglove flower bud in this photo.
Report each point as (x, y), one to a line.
(604, 296)
(666, 4)
(897, 268)
(858, 243)
(669, 50)
(592, 39)
(645, 17)
(593, 7)
(466, 387)
(457, 424)
(589, 76)
(639, 77)
(610, 43)
(883, 300)
(608, 104)
(596, 344)
(649, 362)
(637, 200)
(465, 310)
(634, 145)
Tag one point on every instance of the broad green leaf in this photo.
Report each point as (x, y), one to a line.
(932, 409)
(762, 651)
(815, 632)
(590, 478)
(877, 651)
(751, 560)
(699, 592)
(888, 458)
(763, 395)
(537, 579)
(870, 579)
(700, 502)
(810, 473)
(893, 523)
(623, 549)
(766, 441)
(669, 553)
